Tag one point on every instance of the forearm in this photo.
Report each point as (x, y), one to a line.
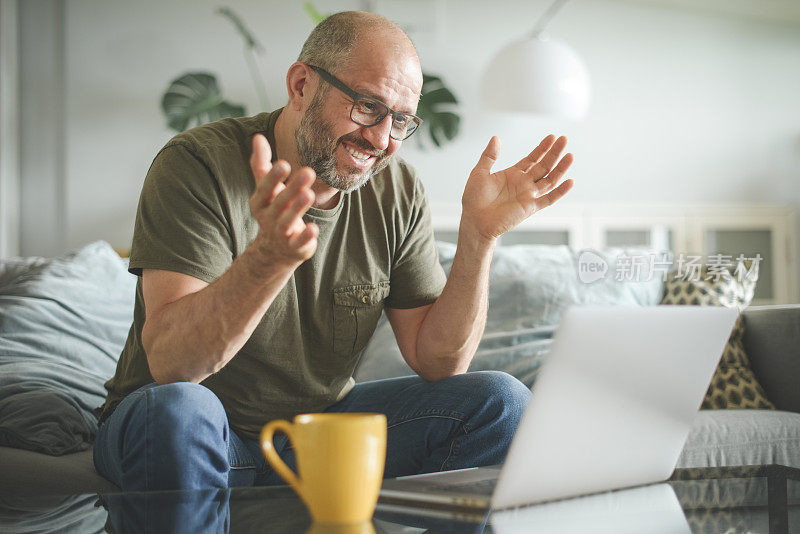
(451, 331)
(198, 334)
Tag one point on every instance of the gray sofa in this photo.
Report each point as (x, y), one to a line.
(757, 437)
(718, 437)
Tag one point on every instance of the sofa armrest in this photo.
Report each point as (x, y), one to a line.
(772, 341)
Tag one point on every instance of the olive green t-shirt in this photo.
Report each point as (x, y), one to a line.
(375, 249)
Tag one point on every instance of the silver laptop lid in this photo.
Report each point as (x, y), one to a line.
(614, 402)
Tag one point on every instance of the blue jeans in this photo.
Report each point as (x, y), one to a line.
(176, 436)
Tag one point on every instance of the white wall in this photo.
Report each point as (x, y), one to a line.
(688, 107)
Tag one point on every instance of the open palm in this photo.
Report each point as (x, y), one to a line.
(494, 203)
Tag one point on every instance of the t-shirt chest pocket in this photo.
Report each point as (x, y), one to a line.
(356, 311)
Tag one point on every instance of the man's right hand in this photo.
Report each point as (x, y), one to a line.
(283, 238)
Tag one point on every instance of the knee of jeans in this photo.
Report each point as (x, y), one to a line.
(186, 407)
(502, 390)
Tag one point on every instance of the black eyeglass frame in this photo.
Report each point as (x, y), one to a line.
(355, 96)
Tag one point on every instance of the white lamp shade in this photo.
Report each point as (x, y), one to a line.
(532, 75)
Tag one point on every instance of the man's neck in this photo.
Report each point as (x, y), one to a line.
(286, 148)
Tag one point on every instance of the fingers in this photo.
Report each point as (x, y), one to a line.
(278, 204)
(268, 176)
(293, 206)
(489, 156)
(270, 185)
(283, 233)
(549, 160)
(552, 197)
(536, 155)
(548, 182)
(305, 239)
(296, 190)
(260, 157)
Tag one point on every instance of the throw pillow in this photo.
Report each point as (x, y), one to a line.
(63, 322)
(734, 386)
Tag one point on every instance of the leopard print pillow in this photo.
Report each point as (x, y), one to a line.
(734, 386)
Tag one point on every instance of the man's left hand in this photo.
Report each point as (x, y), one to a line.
(494, 203)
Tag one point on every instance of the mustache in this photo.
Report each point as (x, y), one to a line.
(363, 145)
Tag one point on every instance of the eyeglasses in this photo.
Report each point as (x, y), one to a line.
(367, 111)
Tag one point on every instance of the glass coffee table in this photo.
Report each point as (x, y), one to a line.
(763, 499)
(739, 499)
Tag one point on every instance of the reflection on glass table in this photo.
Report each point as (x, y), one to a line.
(763, 499)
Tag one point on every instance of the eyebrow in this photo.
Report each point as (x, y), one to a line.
(379, 99)
(368, 93)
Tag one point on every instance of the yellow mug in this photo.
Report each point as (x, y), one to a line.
(340, 460)
(341, 528)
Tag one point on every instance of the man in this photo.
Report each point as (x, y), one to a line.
(267, 248)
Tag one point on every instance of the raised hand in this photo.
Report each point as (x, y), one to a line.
(278, 207)
(494, 203)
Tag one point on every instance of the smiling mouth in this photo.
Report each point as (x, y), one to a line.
(359, 158)
(363, 156)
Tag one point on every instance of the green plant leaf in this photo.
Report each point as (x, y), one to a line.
(312, 12)
(442, 95)
(194, 99)
(437, 109)
(446, 126)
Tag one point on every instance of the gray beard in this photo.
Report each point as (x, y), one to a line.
(316, 148)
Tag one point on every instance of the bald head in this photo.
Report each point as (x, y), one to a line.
(339, 41)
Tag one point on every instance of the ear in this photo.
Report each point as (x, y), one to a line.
(300, 86)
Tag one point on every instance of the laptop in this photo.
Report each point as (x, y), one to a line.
(611, 408)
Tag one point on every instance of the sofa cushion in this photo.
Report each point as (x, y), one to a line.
(734, 385)
(772, 339)
(36, 417)
(63, 322)
(28, 473)
(742, 437)
(530, 288)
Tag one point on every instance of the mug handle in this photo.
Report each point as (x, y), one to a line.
(267, 446)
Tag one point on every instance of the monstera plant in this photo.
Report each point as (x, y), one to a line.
(436, 109)
(195, 98)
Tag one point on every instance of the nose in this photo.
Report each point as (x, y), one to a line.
(378, 134)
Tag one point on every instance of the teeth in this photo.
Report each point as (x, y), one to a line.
(356, 154)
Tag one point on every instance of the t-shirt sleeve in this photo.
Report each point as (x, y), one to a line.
(417, 276)
(180, 223)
